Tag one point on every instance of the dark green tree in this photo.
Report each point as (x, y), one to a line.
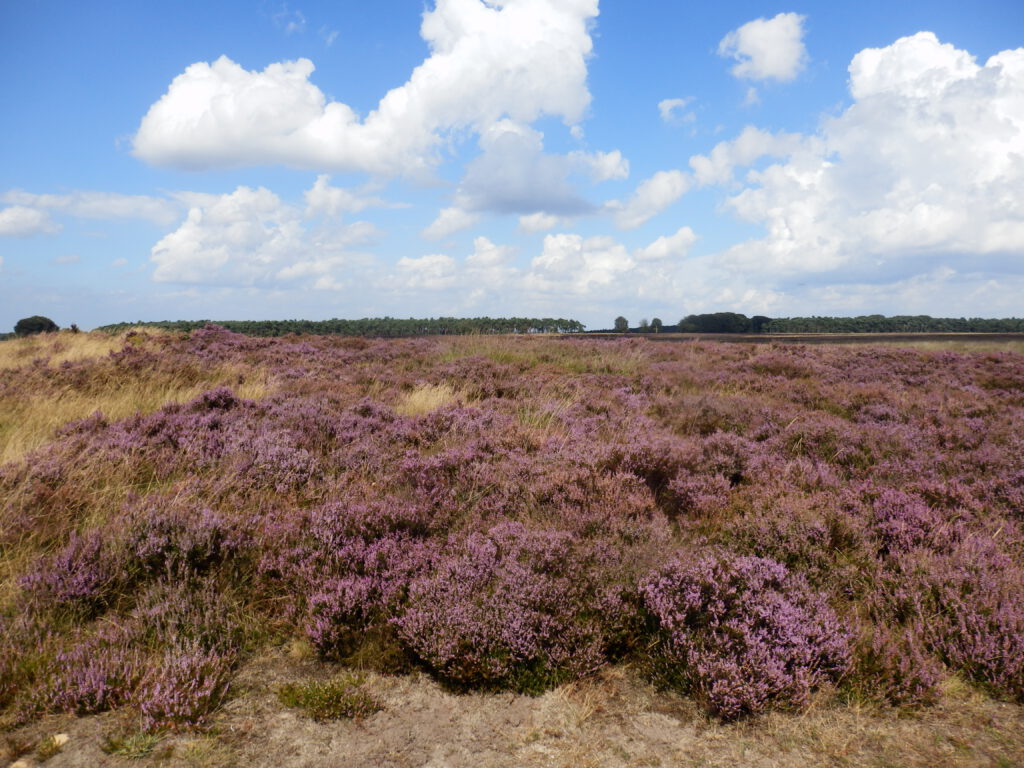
(656, 325)
(621, 324)
(28, 326)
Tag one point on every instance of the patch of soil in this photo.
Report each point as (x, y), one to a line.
(613, 719)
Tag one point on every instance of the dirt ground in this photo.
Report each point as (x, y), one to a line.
(614, 719)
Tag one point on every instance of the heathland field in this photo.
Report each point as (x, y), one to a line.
(218, 550)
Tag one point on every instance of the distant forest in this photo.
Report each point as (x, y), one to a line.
(372, 326)
(732, 322)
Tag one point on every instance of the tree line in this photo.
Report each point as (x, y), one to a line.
(388, 327)
(733, 322)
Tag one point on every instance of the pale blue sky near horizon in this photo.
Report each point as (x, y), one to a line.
(570, 158)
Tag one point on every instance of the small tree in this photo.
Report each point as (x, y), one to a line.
(644, 325)
(656, 325)
(621, 324)
(28, 326)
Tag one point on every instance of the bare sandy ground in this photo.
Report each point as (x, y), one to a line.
(614, 719)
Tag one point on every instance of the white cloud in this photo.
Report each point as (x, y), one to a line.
(515, 175)
(752, 144)
(517, 59)
(767, 49)
(119, 262)
(539, 222)
(70, 258)
(433, 272)
(668, 247)
(602, 166)
(924, 170)
(101, 205)
(571, 263)
(448, 222)
(671, 111)
(21, 221)
(651, 197)
(324, 200)
(251, 237)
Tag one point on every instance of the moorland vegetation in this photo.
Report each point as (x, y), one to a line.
(750, 526)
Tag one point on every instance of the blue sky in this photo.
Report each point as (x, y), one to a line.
(257, 160)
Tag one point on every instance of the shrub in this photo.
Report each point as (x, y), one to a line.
(28, 326)
(893, 666)
(184, 688)
(743, 633)
(513, 608)
(330, 699)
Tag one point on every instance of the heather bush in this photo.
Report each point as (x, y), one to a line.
(893, 666)
(513, 608)
(84, 576)
(743, 633)
(184, 687)
(95, 674)
(178, 543)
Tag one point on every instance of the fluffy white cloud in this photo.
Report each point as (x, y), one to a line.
(101, 205)
(602, 166)
(579, 265)
(515, 175)
(767, 49)
(516, 59)
(324, 200)
(668, 246)
(924, 169)
(652, 196)
(251, 237)
(433, 272)
(448, 222)
(20, 221)
(539, 222)
(751, 145)
(671, 111)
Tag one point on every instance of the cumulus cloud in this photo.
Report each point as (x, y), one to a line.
(324, 200)
(518, 59)
(433, 272)
(671, 111)
(539, 222)
(513, 174)
(448, 222)
(602, 166)
(251, 237)
(752, 144)
(101, 205)
(923, 170)
(21, 221)
(767, 49)
(652, 196)
(579, 265)
(668, 246)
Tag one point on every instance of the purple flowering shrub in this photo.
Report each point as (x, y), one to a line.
(896, 667)
(84, 576)
(521, 534)
(513, 608)
(743, 633)
(184, 688)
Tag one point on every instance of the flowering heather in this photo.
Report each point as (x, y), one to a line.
(507, 513)
(745, 632)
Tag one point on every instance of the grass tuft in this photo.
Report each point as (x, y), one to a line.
(335, 699)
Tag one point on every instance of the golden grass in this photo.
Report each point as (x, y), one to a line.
(27, 423)
(57, 348)
(427, 398)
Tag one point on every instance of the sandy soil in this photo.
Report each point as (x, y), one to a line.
(613, 719)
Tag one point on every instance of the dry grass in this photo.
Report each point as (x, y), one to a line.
(427, 398)
(29, 422)
(57, 348)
